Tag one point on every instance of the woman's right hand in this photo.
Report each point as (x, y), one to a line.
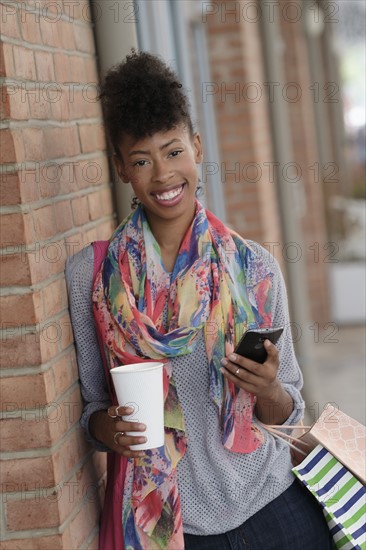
(105, 425)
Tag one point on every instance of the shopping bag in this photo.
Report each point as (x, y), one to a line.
(341, 435)
(341, 495)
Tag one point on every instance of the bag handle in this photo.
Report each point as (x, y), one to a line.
(275, 430)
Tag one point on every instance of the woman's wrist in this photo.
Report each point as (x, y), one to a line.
(275, 407)
(96, 422)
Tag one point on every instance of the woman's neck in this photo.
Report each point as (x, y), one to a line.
(169, 233)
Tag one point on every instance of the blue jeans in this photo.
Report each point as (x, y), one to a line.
(293, 521)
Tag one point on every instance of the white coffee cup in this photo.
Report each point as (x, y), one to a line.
(140, 385)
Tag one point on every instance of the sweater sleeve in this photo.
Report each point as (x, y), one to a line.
(93, 384)
(289, 371)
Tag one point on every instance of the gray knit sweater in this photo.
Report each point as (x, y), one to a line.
(219, 489)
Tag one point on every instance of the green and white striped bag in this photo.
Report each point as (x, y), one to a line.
(340, 493)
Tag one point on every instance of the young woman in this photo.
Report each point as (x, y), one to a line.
(177, 285)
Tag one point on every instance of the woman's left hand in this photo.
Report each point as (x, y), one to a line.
(259, 379)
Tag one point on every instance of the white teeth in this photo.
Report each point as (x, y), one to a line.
(170, 194)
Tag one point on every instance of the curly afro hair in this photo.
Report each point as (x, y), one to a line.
(142, 96)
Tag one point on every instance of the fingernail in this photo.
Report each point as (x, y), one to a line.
(232, 357)
(224, 361)
(129, 410)
(222, 370)
(142, 427)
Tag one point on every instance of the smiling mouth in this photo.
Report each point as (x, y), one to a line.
(169, 195)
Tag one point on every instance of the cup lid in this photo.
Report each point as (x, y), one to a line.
(137, 367)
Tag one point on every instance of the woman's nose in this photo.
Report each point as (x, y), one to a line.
(162, 172)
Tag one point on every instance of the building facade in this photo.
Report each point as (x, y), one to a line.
(250, 75)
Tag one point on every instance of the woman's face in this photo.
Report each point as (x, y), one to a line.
(162, 170)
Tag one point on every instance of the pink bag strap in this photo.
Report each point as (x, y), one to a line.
(290, 440)
(110, 534)
(100, 252)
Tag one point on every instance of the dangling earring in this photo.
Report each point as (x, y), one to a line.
(199, 189)
(135, 202)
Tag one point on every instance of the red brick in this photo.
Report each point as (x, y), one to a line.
(82, 11)
(67, 337)
(54, 298)
(64, 415)
(18, 102)
(24, 63)
(30, 27)
(63, 216)
(14, 270)
(66, 34)
(92, 137)
(106, 200)
(28, 391)
(49, 260)
(74, 243)
(10, 188)
(105, 229)
(29, 184)
(80, 527)
(69, 454)
(39, 106)
(44, 222)
(2, 60)
(65, 372)
(20, 351)
(7, 149)
(90, 172)
(94, 545)
(56, 542)
(35, 144)
(7, 60)
(9, 20)
(91, 235)
(57, 178)
(95, 206)
(50, 32)
(77, 66)
(103, 170)
(12, 229)
(61, 107)
(84, 38)
(99, 461)
(19, 145)
(83, 103)
(80, 210)
(27, 473)
(62, 67)
(61, 142)
(34, 513)
(91, 70)
(21, 309)
(5, 103)
(44, 66)
(20, 434)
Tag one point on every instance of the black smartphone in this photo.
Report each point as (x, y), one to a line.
(251, 344)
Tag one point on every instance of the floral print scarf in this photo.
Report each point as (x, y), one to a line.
(218, 285)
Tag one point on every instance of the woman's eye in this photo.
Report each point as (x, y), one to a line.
(175, 153)
(140, 163)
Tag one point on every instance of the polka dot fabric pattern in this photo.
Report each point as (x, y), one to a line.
(219, 489)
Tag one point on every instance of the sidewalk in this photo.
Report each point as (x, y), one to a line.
(337, 374)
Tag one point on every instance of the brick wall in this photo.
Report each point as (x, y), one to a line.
(317, 252)
(56, 198)
(245, 137)
(243, 124)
